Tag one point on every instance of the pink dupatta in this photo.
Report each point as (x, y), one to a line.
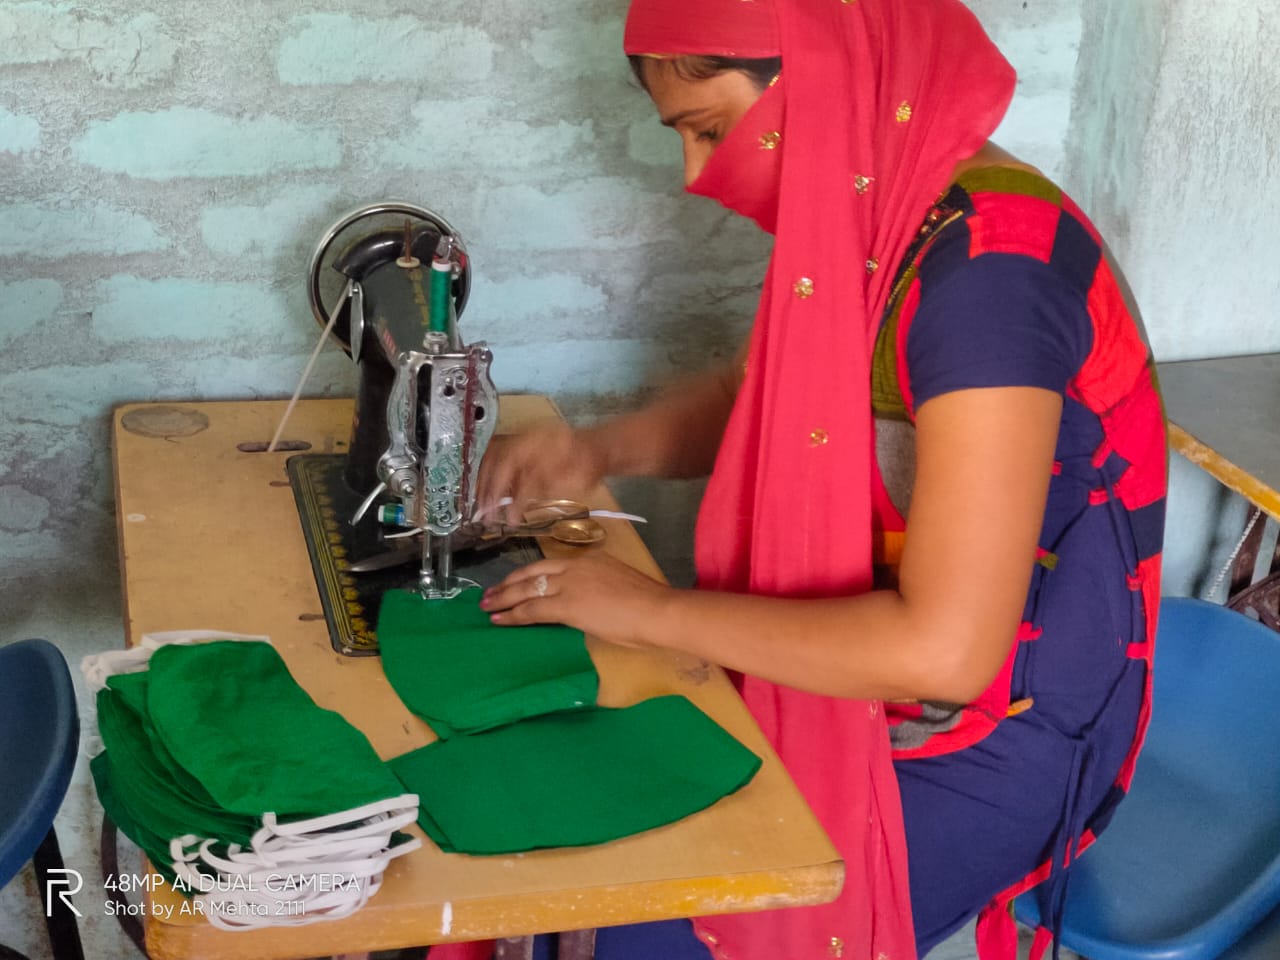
(877, 102)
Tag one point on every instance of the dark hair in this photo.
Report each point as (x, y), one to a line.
(761, 71)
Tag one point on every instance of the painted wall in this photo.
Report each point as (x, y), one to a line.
(167, 167)
(1175, 149)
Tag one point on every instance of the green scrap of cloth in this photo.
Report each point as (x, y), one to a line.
(572, 779)
(231, 715)
(461, 674)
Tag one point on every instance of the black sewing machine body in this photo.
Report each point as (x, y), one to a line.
(425, 410)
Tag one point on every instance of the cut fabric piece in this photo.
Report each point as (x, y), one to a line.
(232, 715)
(573, 789)
(461, 674)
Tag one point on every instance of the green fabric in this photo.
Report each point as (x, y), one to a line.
(146, 787)
(234, 718)
(212, 736)
(570, 779)
(130, 689)
(461, 674)
(155, 847)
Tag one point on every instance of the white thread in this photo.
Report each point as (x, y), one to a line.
(614, 514)
(1226, 567)
(400, 536)
(306, 373)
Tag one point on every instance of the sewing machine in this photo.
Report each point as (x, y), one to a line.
(425, 410)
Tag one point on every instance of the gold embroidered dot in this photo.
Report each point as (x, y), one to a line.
(803, 288)
(819, 438)
(873, 265)
(848, 1)
(770, 140)
(862, 183)
(904, 112)
(837, 945)
(774, 81)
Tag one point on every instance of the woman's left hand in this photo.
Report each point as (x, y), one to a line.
(596, 593)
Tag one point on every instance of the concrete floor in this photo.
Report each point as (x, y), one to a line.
(80, 622)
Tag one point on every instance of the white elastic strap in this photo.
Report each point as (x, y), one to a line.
(342, 817)
(285, 897)
(287, 887)
(97, 667)
(319, 844)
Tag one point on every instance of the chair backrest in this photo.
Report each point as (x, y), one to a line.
(1217, 696)
(39, 735)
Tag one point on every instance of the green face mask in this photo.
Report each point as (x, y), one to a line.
(461, 674)
(240, 789)
(572, 788)
(233, 717)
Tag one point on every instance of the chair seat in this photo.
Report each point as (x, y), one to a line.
(1262, 942)
(1191, 860)
(39, 733)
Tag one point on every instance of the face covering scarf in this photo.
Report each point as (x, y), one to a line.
(877, 102)
(241, 791)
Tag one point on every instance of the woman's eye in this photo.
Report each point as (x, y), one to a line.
(709, 136)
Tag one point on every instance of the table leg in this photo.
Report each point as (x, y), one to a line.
(513, 948)
(577, 945)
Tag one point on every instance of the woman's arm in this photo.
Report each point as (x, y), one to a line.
(678, 435)
(984, 459)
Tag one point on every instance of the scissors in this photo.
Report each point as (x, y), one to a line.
(566, 521)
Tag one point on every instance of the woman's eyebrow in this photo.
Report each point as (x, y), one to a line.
(675, 118)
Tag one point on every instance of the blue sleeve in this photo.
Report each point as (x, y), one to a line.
(997, 320)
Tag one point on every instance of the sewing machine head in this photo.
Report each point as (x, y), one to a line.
(426, 406)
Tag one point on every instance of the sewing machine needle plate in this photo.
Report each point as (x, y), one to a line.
(352, 601)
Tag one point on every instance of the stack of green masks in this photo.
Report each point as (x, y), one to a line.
(246, 795)
(526, 759)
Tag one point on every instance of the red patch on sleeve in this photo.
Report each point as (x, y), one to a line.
(1012, 223)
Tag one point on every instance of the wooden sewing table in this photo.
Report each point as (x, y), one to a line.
(1224, 416)
(210, 538)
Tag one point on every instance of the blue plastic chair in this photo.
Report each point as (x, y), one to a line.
(1191, 861)
(39, 736)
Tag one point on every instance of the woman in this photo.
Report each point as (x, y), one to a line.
(929, 547)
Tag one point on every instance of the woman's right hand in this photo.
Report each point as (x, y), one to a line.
(549, 460)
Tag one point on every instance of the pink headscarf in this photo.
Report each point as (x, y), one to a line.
(877, 102)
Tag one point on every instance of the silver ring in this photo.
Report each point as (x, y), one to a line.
(540, 585)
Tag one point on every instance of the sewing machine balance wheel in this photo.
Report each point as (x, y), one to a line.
(364, 238)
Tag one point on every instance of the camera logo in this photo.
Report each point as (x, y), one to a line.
(62, 877)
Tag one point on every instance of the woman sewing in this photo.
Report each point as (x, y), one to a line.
(929, 546)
